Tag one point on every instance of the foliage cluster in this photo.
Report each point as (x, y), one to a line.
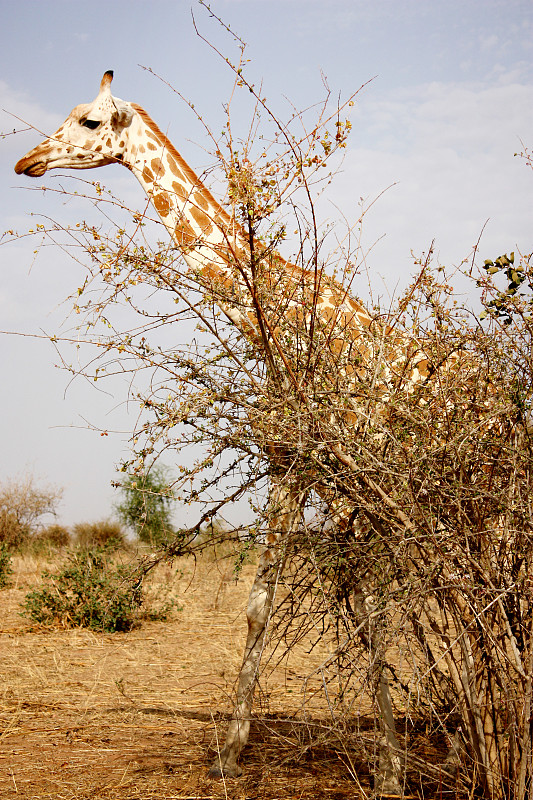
(517, 297)
(104, 534)
(55, 536)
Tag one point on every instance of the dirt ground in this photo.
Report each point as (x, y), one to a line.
(140, 715)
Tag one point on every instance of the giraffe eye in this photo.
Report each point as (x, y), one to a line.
(90, 123)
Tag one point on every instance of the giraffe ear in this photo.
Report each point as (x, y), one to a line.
(123, 114)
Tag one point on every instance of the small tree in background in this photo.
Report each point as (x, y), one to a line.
(147, 504)
(55, 535)
(22, 507)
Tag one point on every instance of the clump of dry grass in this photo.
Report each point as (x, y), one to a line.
(105, 533)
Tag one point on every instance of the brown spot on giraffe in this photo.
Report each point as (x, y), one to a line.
(215, 274)
(200, 200)
(423, 367)
(337, 346)
(147, 174)
(180, 191)
(347, 319)
(295, 314)
(175, 169)
(157, 167)
(150, 146)
(329, 313)
(202, 219)
(184, 232)
(241, 254)
(162, 203)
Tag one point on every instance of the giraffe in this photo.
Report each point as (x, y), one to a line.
(112, 131)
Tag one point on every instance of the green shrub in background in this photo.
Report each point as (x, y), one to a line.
(6, 569)
(90, 592)
(93, 591)
(105, 534)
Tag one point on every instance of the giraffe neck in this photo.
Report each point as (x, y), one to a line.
(212, 243)
(209, 239)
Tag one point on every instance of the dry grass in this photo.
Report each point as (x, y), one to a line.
(139, 715)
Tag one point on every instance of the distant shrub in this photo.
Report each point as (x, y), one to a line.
(90, 592)
(6, 569)
(105, 534)
(55, 536)
(22, 506)
(12, 532)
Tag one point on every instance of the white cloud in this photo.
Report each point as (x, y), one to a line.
(489, 42)
(450, 148)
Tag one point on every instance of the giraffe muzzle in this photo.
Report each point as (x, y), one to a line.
(34, 169)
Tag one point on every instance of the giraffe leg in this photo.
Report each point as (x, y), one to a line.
(257, 612)
(387, 777)
(286, 506)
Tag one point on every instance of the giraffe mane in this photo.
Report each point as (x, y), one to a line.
(219, 210)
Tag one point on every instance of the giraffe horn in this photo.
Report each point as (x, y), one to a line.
(105, 83)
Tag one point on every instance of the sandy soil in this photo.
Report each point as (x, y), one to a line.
(140, 715)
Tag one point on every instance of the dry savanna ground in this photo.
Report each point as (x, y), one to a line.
(141, 714)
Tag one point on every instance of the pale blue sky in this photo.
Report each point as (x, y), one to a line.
(451, 100)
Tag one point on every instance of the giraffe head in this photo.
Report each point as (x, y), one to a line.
(93, 135)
